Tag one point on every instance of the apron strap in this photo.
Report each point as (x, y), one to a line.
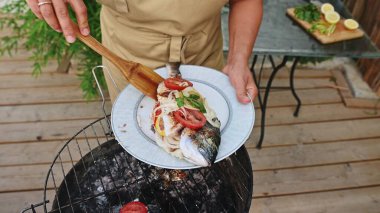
(175, 49)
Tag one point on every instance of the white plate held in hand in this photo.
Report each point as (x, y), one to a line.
(132, 123)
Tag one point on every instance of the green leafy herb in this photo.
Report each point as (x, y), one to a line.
(180, 101)
(193, 100)
(195, 97)
(308, 12)
(197, 104)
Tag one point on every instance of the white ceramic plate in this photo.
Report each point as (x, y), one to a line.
(131, 118)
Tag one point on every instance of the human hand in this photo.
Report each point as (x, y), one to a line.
(56, 15)
(242, 80)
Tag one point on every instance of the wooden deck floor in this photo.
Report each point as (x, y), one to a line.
(326, 160)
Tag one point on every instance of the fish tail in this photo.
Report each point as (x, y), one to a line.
(173, 69)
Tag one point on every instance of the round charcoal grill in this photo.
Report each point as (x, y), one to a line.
(93, 173)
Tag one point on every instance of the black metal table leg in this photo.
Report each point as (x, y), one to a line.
(263, 102)
(293, 69)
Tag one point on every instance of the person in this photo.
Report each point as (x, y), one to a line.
(154, 32)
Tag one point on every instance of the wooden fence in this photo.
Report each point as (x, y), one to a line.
(367, 12)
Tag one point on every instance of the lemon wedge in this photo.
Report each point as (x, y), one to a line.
(332, 17)
(327, 7)
(159, 126)
(351, 24)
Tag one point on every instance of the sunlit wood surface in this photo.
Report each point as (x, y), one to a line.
(326, 160)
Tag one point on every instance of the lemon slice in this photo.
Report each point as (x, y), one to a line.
(351, 24)
(159, 126)
(332, 17)
(327, 7)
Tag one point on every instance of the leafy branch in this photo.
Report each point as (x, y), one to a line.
(45, 44)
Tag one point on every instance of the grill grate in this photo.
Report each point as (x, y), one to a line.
(88, 175)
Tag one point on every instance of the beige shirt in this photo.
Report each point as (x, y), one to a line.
(154, 32)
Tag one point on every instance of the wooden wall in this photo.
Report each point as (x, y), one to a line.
(367, 12)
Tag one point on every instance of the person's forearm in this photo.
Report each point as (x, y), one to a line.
(244, 23)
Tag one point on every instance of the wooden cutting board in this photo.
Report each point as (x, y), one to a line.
(340, 34)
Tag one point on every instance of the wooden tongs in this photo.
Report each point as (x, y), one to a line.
(140, 76)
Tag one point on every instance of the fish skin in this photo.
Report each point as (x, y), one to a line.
(206, 140)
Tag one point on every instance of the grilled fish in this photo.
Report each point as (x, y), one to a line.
(185, 126)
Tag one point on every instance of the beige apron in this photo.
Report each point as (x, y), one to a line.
(154, 32)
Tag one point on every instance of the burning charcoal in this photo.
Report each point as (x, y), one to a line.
(110, 177)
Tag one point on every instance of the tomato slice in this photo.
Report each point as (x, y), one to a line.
(134, 207)
(177, 83)
(193, 120)
(158, 112)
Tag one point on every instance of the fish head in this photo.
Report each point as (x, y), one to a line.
(200, 147)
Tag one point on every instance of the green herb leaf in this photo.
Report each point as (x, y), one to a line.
(308, 13)
(180, 102)
(193, 96)
(193, 101)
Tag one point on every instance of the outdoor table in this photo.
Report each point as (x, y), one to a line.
(280, 36)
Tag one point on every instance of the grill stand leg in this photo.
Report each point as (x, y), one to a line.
(263, 102)
(293, 69)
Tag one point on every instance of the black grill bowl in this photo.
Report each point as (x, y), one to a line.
(108, 177)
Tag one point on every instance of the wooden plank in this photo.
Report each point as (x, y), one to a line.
(314, 179)
(47, 130)
(44, 152)
(364, 103)
(314, 113)
(340, 33)
(44, 80)
(278, 98)
(306, 83)
(314, 154)
(300, 73)
(18, 201)
(317, 132)
(342, 82)
(49, 112)
(350, 100)
(17, 96)
(24, 67)
(21, 55)
(347, 201)
(29, 177)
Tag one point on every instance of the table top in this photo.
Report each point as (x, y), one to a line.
(279, 35)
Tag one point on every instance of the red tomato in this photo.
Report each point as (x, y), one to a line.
(193, 120)
(134, 207)
(158, 112)
(177, 83)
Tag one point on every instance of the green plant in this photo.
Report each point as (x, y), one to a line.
(45, 44)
